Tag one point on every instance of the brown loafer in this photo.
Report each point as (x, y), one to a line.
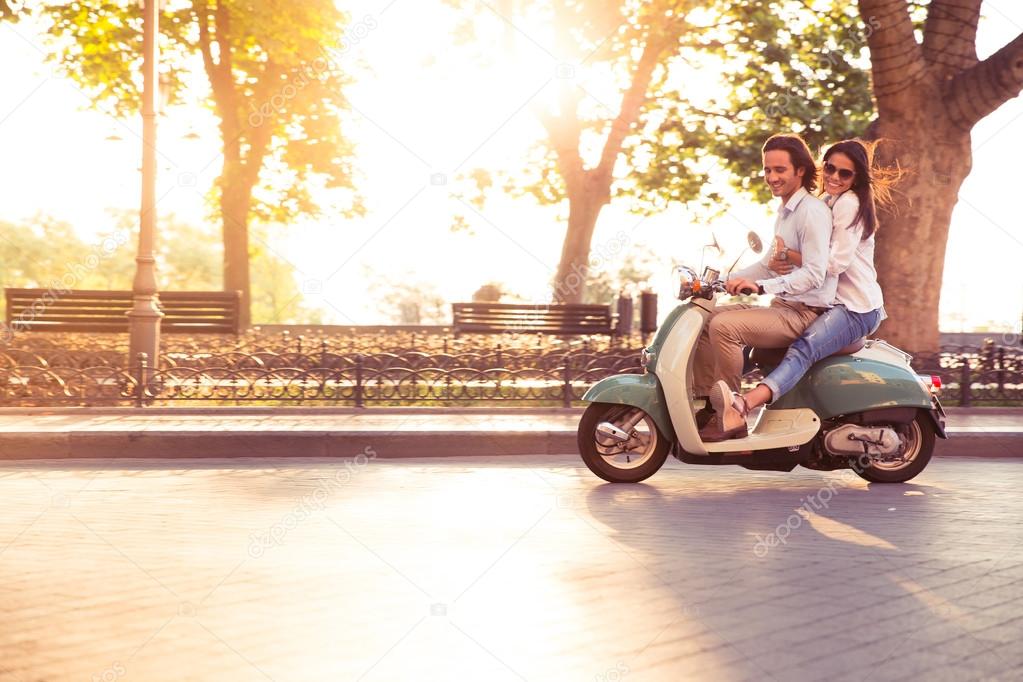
(729, 409)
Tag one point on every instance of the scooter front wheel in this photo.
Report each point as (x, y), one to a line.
(621, 443)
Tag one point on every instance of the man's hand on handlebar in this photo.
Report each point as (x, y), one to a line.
(741, 285)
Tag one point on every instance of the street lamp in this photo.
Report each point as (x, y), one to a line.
(144, 317)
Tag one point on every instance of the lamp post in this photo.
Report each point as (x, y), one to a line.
(144, 317)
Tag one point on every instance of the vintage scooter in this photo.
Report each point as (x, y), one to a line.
(863, 408)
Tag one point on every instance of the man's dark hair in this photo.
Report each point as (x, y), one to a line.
(800, 155)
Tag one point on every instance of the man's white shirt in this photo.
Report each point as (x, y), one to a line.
(805, 224)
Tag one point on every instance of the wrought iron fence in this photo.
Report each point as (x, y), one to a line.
(299, 372)
(403, 378)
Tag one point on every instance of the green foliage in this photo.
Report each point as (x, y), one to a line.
(632, 274)
(786, 66)
(405, 298)
(284, 71)
(45, 253)
(780, 66)
(9, 10)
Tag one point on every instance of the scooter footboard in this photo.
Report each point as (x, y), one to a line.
(639, 390)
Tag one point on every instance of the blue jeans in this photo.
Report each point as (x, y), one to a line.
(832, 331)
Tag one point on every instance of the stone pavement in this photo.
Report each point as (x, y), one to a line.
(395, 432)
(506, 569)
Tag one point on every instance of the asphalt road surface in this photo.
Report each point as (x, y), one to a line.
(514, 568)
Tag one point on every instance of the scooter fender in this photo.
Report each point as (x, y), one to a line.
(848, 385)
(639, 390)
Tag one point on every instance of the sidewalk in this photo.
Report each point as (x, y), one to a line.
(389, 432)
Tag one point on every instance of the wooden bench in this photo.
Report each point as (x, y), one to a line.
(186, 312)
(555, 318)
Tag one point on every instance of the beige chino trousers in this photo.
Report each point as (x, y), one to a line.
(719, 348)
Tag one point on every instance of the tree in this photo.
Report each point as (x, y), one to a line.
(407, 299)
(796, 67)
(902, 71)
(930, 93)
(9, 10)
(274, 85)
(630, 41)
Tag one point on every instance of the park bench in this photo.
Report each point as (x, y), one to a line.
(186, 312)
(555, 319)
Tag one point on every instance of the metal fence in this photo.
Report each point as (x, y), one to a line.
(406, 378)
(304, 373)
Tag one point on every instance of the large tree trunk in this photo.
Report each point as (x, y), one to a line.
(235, 199)
(911, 239)
(929, 96)
(584, 208)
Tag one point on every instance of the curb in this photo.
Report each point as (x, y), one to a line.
(153, 444)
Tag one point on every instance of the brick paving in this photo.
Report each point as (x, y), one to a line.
(505, 569)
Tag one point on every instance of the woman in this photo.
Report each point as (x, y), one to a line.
(851, 190)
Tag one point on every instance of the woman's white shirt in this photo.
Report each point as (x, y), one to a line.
(851, 257)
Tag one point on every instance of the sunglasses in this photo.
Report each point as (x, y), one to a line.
(844, 173)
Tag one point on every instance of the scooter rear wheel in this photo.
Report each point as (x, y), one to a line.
(919, 448)
(634, 460)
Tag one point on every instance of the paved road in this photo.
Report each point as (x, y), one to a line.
(505, 569)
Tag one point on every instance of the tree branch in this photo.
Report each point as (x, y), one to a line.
(979, 90)
(564, 132)
(632, 100)
(260, 135)
(896, 58)
(950, 35)
(202, 17)
(220, 75)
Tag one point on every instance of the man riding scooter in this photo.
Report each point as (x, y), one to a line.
(864, 409)
(804, 224)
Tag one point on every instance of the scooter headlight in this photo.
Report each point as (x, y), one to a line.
(687, 281)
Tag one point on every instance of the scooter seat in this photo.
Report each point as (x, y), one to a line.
(772, 357)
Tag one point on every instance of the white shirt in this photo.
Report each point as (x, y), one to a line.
(851, 257)
(805, 225)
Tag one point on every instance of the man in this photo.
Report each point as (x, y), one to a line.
(804, 224)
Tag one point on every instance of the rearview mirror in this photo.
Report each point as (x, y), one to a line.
(753, 239)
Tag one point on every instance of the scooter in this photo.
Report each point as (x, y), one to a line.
(864, 408)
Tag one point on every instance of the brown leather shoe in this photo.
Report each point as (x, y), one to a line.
(730, 415)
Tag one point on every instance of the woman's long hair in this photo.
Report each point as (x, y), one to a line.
(872, 185)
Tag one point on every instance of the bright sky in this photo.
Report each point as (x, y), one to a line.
(423, 114)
